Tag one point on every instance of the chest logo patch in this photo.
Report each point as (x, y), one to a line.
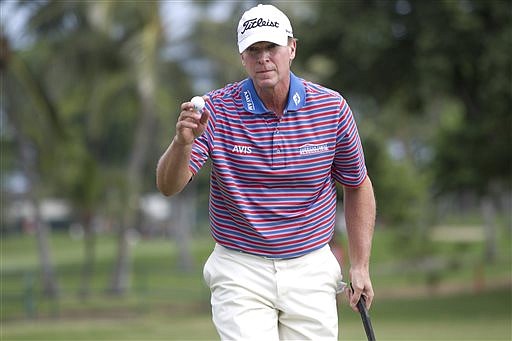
(309, 148)
(241, 150)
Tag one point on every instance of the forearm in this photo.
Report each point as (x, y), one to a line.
(360, 209)
(360, 220)
(172, 172)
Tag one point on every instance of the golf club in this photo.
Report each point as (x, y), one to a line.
(365, 317)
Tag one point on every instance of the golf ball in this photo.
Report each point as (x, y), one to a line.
(198, 103)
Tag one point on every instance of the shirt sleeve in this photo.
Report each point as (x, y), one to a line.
(349, 167)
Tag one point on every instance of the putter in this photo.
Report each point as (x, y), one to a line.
(365, 317)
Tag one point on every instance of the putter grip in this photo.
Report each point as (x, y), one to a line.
(365, 317)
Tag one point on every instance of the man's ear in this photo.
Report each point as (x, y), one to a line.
(293, 49)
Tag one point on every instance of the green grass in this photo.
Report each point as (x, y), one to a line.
(462, 317)
(166, 303)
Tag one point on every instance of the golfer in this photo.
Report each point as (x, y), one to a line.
(277, 144)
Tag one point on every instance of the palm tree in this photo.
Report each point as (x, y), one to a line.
(32, 145)
(142, 48)
(114, 50)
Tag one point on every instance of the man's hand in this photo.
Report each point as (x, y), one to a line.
(361, 285)
(172, 171)
(191, 124)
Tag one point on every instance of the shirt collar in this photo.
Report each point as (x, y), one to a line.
(253, 104)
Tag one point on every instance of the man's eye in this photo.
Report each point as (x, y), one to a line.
(255, 50)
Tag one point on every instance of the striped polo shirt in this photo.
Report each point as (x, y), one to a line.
(272, 183)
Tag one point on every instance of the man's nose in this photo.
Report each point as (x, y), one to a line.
(263, 55)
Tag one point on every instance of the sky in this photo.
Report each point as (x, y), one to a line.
(178, 18)
(13, 21)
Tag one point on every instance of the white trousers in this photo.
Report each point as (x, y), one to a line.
(256, 298)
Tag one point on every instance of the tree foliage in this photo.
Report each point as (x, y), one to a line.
(435, 76)
(97, 66)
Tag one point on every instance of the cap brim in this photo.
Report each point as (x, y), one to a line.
(264, 36)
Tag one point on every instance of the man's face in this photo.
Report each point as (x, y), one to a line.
(267, 63)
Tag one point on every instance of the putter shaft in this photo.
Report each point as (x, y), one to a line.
(365, 317)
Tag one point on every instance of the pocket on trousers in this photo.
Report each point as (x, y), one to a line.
(335, 269)
(207, 271)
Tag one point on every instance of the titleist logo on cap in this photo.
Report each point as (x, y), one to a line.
(263, 23)
(258, 22)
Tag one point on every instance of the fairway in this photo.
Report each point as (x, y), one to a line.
(461, 317)
(464, 317)
(166, 303)
(200, 328)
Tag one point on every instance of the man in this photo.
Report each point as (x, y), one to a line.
(277, 144)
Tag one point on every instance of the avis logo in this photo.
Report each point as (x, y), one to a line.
(248, 100)
(241, 150)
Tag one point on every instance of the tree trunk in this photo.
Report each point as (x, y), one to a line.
(121, 275)
(28, 162)
(145, 69)
(135, 172)
(489, 214)
(89, 255)
(50, 285)
(184, 213)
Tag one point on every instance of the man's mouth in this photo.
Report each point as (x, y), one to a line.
(264, 71)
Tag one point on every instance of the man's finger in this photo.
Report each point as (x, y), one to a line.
(204, 116)
(189, 115)
(355, 296)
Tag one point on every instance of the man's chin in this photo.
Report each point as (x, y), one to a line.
(266, 82)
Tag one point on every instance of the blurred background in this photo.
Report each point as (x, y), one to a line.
(90, 94)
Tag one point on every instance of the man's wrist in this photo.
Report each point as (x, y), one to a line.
(176, 141)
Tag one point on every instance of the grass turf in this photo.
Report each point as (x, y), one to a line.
(462, 317)
(167, 304)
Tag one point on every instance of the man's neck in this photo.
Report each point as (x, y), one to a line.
(276, 98)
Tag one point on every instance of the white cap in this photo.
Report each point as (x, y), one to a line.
(263, 23)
